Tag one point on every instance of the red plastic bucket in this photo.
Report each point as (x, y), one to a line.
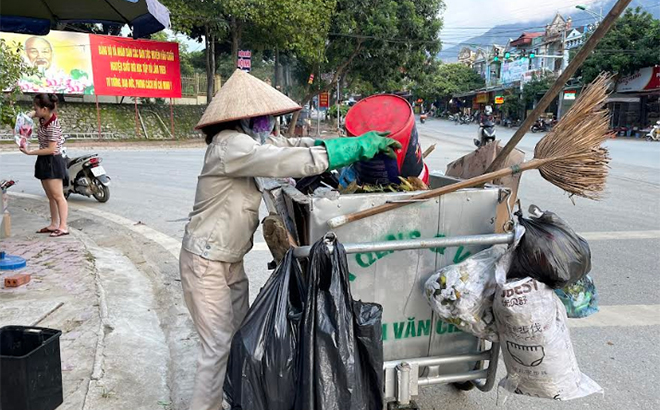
(387, 112)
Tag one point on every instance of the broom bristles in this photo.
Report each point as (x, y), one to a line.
(576, 161)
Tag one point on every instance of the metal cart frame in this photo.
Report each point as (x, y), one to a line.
(468, 362)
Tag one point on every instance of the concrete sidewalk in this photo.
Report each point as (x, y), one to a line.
(114, 352)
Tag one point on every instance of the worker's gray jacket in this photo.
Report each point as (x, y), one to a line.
(226, 211)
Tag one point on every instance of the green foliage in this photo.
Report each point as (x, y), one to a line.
(160, 36)
(536, 87)
(444, 80)
(378, 44)
(512, 106)
(332, 111)
(12, 68)
(633, 43)
(297, 26)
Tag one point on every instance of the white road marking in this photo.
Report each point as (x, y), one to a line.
(621, 316)
(606, 236)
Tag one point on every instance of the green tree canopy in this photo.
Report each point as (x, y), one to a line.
(633, 43)
(12, 67)
(444, 80)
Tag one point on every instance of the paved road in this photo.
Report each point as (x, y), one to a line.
(157, 187)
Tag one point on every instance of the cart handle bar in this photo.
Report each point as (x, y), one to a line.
(468, 240)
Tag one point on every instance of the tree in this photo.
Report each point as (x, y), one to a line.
(633, 43)
(12, 67)
(444, 80)
(227, 25)
(536, 87)
(378, 42)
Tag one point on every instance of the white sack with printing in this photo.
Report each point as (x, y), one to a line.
(535, 340)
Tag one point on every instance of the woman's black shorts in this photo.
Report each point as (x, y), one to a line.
(50, 167)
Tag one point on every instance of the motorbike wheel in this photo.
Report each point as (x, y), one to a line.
(102, 194)
(535, 130)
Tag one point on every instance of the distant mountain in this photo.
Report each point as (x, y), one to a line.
(501, 34)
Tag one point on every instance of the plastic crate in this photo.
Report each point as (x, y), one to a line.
(30, 368)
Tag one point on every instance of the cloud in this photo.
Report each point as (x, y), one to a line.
(469, 18)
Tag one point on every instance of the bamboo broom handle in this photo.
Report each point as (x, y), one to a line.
(577, 61)
(468, 183)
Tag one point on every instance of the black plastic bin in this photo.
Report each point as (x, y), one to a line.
(30, 368)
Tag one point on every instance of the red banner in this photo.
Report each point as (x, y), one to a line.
(324, 100)
(135, 68)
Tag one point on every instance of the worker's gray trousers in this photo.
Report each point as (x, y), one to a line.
(216, 294)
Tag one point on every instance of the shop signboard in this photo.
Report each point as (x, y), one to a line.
(324, 101)
(244, 61)
(482, 98)
(499, 99)
(513, 71)
(645, 79)
(570, 94)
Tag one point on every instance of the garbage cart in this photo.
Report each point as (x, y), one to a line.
(390, 257)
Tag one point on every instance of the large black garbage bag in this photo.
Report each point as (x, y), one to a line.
(264, 367)
(342, 343)
(550, 251)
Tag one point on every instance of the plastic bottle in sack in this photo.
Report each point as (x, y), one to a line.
(387, 112)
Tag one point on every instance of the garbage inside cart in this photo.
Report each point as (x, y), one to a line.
(389, 259)
(451, 240)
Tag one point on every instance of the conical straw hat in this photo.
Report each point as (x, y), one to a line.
(245, 96)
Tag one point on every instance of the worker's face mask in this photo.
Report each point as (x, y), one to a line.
(259, 128)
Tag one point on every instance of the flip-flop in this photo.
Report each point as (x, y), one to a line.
(46, 230)
(58, 233)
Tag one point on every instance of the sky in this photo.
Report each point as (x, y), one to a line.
(464, 19)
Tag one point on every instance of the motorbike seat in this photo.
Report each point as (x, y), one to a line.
(72, 161)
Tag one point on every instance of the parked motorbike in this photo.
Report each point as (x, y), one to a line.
(486, 133)
(86, 177)
(540, 126)
(654, 134)
(422, 118)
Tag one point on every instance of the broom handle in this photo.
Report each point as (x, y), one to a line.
(468, 183)
(577, 61)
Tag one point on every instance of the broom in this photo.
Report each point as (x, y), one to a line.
(569, 157)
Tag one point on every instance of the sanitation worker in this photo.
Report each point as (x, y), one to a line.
(238, 124)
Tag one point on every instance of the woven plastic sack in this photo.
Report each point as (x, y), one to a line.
(535, 341)
(462, 294)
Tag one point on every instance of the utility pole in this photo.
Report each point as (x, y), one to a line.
(338, 108)
(318, 102)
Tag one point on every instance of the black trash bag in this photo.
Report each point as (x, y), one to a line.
(308, 185)
(264, 362)
(550, 251)
(342, 341)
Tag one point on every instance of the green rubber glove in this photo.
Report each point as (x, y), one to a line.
(345, 151)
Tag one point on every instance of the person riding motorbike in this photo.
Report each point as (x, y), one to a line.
(486, 131)
(238, 124)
